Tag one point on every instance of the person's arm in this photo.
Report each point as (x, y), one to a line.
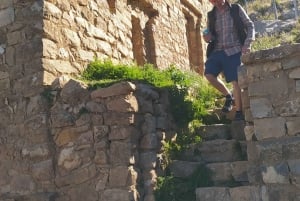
(250, 30)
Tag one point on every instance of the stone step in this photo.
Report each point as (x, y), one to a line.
(229, 173)
(216, 151)
(220, 174)
(184, 169)
(213, 132)
(271, 192)
(235, 130)
(241, 193)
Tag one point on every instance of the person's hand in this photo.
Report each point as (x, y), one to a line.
(246, 49)
(207, 37)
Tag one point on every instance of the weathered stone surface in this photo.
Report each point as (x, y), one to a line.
(43, 171)
(7, 16)
(269, 128)
(121, 153)
(114, 90)
(245, 193)
(124, 104)
(149, 141)
(269, 85)
(212, 193)
(149, 125)
(69, 159)
(116, 195)
(294, 167)
(280, 192)
(36, 151)
(249, 132)
(74, 92)
(118, 176)
(122, 119)
(76, 177)
(184, 169)
(123, 132)
(219, 151)
(237, 130)
(278, 174)
(293, 126)
(261, 108)
(210, 132)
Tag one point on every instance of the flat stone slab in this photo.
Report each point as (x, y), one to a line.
(213, 132)
(218, 151)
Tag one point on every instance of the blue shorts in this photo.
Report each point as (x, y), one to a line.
(219, 62)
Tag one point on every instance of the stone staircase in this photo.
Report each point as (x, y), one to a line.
(223, 152)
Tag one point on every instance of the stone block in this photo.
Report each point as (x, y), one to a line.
(118, 176)
(261, 108)
(294, 167)
(280, 192)
(212, 132)
(149, 141)
(269, 128)
(126, 103)
(43, 171)
(221, 172)
(291, 148)
(295, 73)
(77, 176)
(7, 16)
(116, 195)
(237, 130)
(121, 153)
(219, 151)
(249, 132)
(122, 88)
(74, 92)
(245, 98)
(242, 77)
(293, 126)
(290, 63)
(276, 174)
(248, 115)
(297, 85)
(275, 87)
(212, 194)
(121, 119)
(184, 169)
(254, 174)
(124, 132)
(245, 193)
(239, 171)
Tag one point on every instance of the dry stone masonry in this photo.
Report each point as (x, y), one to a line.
(271, 96)
(59, 141)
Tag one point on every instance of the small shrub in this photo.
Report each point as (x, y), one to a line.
(190, 94)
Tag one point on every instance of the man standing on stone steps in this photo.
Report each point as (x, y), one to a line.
(229, 35)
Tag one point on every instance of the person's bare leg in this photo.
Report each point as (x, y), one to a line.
(237, 95)
(218, 84)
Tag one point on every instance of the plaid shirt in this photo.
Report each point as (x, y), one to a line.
(227, 37)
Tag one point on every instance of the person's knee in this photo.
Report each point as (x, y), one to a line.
(209, 77)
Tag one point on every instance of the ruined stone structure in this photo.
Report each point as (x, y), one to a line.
(57, 140)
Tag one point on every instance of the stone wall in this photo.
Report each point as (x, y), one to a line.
(79, 145)
(160, 32)
(271, 95)
(56, 141)
(106, 142)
